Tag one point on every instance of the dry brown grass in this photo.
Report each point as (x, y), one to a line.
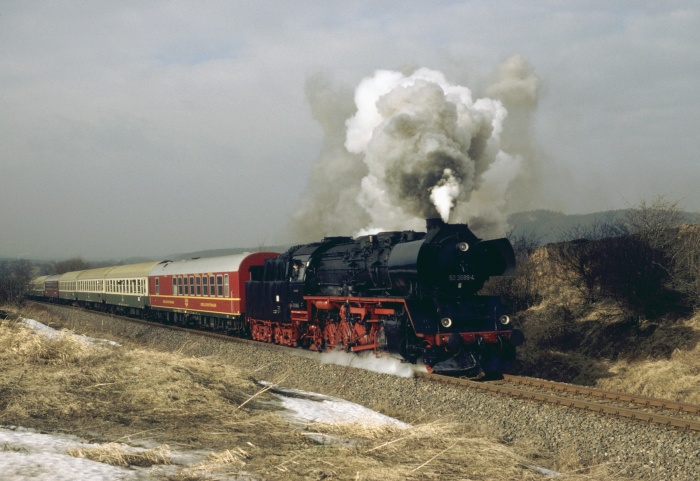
(117, 454)
(676, 377)
(126, 394)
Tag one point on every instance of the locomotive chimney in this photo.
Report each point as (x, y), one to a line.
(434, 223)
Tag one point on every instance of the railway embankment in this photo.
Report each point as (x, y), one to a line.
(580, 443)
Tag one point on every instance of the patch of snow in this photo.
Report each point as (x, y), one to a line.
(51, 333)
(308, 407)
(28, 455)
(545, 471)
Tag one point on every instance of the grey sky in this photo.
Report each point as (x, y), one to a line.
(148, 128)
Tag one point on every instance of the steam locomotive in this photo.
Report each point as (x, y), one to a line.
(404, 292)
(409, 293)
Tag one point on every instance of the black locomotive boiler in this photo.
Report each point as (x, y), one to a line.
(410, 293)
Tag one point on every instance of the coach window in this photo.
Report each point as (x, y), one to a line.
(174, 286)
(213, 286)
(226, 285)
(220, 285)
(192, 285)
(157, 286)
(198, 280)
(205, 285)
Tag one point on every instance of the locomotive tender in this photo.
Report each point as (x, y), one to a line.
(410, 293)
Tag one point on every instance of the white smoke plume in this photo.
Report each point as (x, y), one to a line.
(416, 147)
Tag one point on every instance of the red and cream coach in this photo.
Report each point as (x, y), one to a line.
(208, 292)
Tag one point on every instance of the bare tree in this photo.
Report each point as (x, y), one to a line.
(70, 265)
(580, 255)
(685, 256)
(14, 280)
(630, 261)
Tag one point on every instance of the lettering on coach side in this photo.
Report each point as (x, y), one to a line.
(168, 302)
(208, 304)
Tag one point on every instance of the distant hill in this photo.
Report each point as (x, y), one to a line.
(550, 226)
(545, 225)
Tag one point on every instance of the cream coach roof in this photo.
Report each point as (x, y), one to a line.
(70, 276)
(132, 270)
(94, 274)
(200, 266)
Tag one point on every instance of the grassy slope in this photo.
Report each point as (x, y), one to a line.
(571, 340)
(138, 395)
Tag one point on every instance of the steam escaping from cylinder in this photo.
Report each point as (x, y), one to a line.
(417, 146)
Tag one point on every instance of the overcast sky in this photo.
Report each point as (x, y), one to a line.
(133, 128)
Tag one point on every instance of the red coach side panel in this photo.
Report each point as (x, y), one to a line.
(213, 286)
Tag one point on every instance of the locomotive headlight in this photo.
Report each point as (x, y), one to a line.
(463, 246)
(505, 320)
(446, 322)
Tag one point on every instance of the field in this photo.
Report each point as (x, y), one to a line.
(137, 394)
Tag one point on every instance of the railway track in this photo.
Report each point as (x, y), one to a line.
(683, 416)
(671, 414)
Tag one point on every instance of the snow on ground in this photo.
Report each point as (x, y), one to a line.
(307, 407)
(50, 333)
(28, 455)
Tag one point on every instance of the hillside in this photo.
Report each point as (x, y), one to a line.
(620, 313)
(550, 226)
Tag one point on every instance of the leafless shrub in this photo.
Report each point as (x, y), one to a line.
(629, 261)
(685, 255)
(14, 280)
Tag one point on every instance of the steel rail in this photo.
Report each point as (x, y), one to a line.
(632, 414)
(605, 395)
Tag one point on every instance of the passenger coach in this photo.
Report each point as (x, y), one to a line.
(207, 292)
(126, 288)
